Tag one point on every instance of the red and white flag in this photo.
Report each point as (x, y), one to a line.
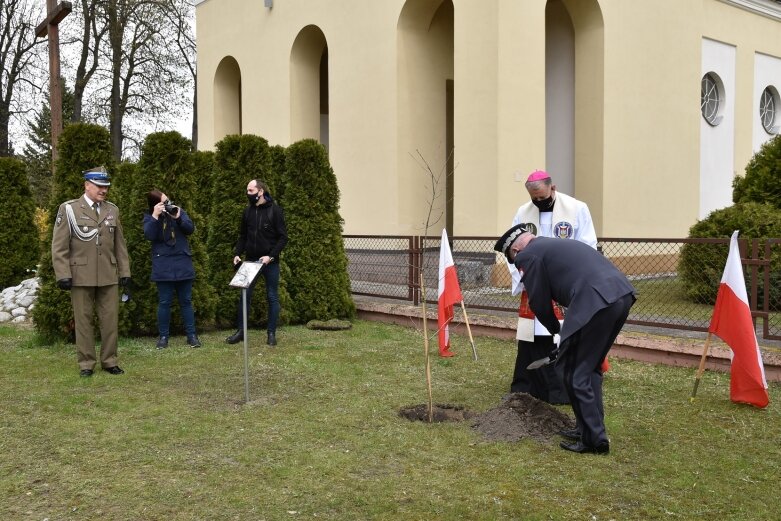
(732, 323)
(449, 293)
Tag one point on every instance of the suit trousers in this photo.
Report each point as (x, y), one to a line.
(581, 360)
(105, 301)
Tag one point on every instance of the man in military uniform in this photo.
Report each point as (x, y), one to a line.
(89, 256)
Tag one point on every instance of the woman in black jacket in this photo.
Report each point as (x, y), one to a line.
(168, 226)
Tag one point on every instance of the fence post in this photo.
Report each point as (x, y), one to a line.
(414, 271)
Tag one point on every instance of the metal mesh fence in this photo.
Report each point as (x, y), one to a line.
(676, 279)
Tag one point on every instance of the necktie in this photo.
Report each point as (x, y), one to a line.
(96, 207)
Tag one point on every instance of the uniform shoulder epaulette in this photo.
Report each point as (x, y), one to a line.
(112, 204)
(71, 201)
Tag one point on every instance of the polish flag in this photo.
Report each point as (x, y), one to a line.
(449, 293)
(732, 323)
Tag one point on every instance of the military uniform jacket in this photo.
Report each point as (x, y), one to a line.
(574, 275)
(88, 248)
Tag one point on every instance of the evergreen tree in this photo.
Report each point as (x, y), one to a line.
(18, 234)
(37, 153)
(166, 164)
(762, 182)
(319, 284)
(238, 160)
(201, 200)
(82, 146)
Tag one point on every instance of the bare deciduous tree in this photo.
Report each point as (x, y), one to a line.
(20, 62)
(135, 66)
(181, 16)
(93, 31)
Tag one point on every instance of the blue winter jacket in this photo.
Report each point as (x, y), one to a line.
(171, 255)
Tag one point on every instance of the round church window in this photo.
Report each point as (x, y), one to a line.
(768, 110)
(711, 96)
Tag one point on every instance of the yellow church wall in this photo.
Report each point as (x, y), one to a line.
(637, 118)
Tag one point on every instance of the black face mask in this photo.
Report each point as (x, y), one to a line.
(545, 204)
(253, 198)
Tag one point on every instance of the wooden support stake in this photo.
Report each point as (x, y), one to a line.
(428, 359)
(469, 330)
(701, 368)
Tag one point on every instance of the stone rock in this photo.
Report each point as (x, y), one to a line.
(19, 319)
(4, 317)
(25, 301)
(19, 312)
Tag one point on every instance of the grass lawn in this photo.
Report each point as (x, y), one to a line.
(321, 439)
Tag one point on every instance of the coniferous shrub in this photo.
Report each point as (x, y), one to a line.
(18, 233)
(319, 284)
(120, 194)
(203, 173)
(82, 146)
(702, 265)
(276, 181)
(762, 182)
(237, 161)
(165, 164)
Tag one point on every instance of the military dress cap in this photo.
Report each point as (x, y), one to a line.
(97, 176)
(506, 240)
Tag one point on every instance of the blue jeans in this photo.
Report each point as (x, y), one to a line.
(270, 273)
(165, 294)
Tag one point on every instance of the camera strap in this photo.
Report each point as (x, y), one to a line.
(170, 241)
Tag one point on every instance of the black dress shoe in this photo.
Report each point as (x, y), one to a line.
(193, 341)
(85, 373)
(236, 337)
(272, 339)
(602, 448)
(572, 434)
(162, 342)
(114, 370)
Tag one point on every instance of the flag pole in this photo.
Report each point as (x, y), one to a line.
(428, 359)
(469, 329)
(701, 368)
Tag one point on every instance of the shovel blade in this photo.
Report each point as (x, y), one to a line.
(539, 363)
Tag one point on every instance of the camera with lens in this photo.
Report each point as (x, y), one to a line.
(170, 207)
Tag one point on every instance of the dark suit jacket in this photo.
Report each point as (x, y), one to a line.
(574, 275)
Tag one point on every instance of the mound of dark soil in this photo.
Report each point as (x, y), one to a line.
(521, 416)
(440, 413)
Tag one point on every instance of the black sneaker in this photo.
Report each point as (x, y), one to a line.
(193, 341)
(162, 342)
(272, 339)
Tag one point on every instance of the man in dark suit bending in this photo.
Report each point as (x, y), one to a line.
(597, 297)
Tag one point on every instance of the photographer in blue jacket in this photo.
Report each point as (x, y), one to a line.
(167, 227)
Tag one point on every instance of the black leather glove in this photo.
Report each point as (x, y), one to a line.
(125, 281)
(65, 284)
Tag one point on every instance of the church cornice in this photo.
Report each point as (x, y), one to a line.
(768, 8)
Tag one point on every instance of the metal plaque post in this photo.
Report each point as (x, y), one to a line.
(246, 273)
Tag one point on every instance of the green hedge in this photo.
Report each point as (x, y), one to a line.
(762, 182)
(81, 146)
(319, 285)
(18, 234)
(166, 163)
(702, 265)
(238, 160)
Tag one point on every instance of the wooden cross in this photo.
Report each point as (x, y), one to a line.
(55, 14)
